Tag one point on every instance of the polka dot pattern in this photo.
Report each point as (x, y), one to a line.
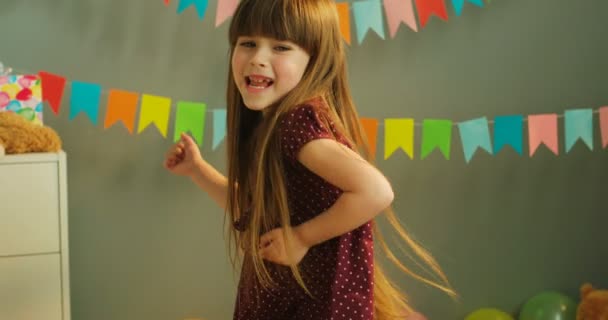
(339, 272)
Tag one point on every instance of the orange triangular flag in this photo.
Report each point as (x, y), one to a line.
(122, 106)
(370, 125)
(344, 17)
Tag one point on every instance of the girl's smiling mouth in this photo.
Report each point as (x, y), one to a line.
(258, 82)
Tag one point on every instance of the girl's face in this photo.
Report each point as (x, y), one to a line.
(265, 69)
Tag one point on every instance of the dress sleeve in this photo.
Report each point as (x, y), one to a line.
(300, 126)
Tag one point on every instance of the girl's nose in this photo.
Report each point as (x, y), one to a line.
(259, 59)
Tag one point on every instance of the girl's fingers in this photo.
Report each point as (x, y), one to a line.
(174, 151)
(187, 140)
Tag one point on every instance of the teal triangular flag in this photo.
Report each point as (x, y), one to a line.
(579, 124)
(368, 15)
(474, 133)
(200, 5)
(85, 97)
(458, 4)
(219, 126)
(508, 130)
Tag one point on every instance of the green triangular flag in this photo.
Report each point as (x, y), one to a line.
(436, 133)
(190, 117)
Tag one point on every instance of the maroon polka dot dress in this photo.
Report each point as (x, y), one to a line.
(338, 272)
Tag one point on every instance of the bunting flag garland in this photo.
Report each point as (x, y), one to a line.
(398, 11)
(459, 4)
(370, 125)
(122, 106)
(52, 92)
(604, 125)
(219, 127)
(85, 98)
(200, 5)
(398, 133)
(367, 14)
(508, 130)
(225, 9)
(542, 129)
(344, 21)
(190, 117)
(24, 94)
(436, 133)
(154, 110)
(579, 125)
(428, 8)
(474, 133)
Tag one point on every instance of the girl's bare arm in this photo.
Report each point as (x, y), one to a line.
(367, 192)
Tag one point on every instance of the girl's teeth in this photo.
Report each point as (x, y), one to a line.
(259, 83)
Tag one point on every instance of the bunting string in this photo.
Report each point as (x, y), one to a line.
(26, 93)
(368, 15)
(417, 124)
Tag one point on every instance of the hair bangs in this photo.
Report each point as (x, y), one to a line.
(283, 20)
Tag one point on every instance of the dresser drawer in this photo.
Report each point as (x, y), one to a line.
(29, 208)
(30, 288)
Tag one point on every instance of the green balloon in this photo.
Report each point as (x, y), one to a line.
(549, 306)
(27, 113)
(488, 314)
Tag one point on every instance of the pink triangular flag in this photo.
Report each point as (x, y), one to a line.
(225, 9)
(398, 11)
(542, 128)
(604, 125)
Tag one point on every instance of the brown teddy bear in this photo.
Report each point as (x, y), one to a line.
(593, 305)
(17, 135)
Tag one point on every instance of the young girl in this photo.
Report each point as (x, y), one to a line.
(300, 196)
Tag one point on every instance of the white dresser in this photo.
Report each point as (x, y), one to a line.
(34, 260)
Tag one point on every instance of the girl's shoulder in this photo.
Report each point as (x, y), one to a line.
(305, 122)
(307, 110)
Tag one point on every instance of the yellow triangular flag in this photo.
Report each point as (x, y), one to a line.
(155, 110)
(398, 133)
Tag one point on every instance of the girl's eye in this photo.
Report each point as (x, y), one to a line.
(247, 44)
(282, 48)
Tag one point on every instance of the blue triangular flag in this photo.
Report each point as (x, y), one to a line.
(475, 133)
(200, 5)
(219, 127)
(85, 97)
(579, 124)
(368, 15)
(458, 4)
(508, 130)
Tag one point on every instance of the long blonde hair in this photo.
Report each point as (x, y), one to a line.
(314, 26)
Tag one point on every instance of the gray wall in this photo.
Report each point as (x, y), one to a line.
(147, 245)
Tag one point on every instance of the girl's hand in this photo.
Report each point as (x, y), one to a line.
(273, 247)
(183, 157)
